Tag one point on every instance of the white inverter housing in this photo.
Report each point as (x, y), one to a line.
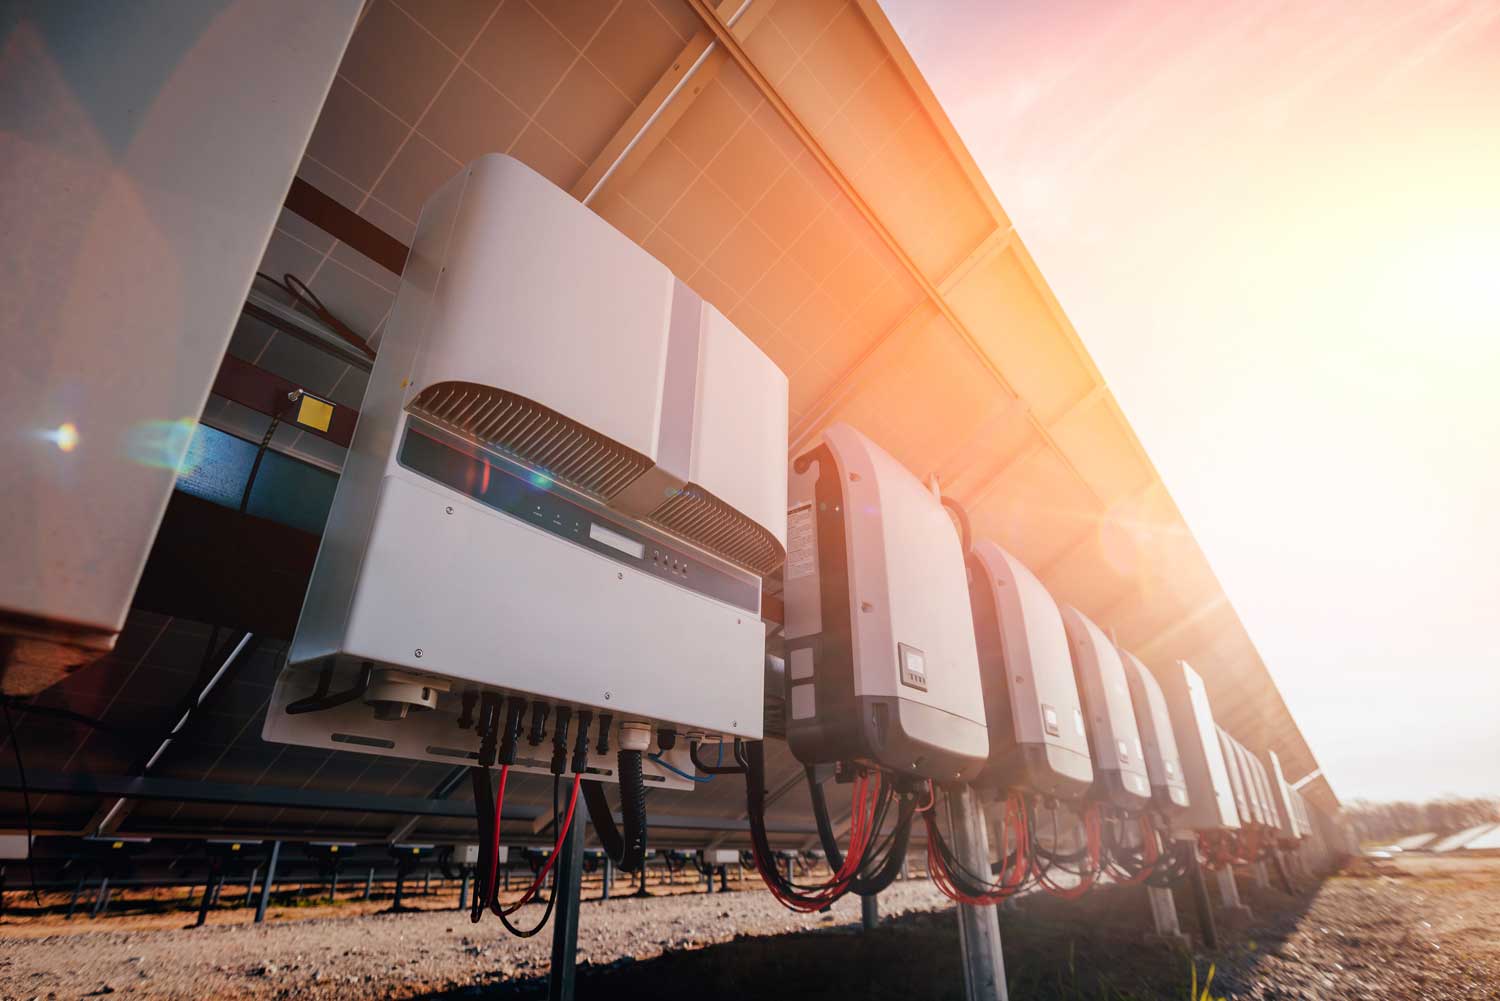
(1120, 774)
(881, 662)
(1252, 787)
(1211, 801)
(1288, 825)
(1037, 736)
(1264, 790)
(566, 483)
(1163, 762)
(1249, 817)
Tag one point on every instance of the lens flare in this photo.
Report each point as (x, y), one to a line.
(66, 437)
(163, 445)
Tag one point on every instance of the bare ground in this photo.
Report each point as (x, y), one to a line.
(1417, 929)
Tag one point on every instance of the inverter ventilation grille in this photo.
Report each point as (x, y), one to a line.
(594, 464)
(697, 515)
(562, 448)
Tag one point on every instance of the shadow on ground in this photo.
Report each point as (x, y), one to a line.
(1098, 949)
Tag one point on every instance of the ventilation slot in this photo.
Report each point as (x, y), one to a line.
(531, 433)
(698, 516)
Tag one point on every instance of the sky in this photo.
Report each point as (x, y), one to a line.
(1276, 227)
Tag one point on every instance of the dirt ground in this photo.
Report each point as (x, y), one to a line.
(1420, 928)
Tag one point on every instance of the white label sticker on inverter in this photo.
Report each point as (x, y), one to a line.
(801, 542)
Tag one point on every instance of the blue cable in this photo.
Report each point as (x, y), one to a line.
(678, 771)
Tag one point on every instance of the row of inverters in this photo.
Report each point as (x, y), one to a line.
(560, 510)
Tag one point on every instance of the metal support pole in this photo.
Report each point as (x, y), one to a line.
(400, 886)
(978, 927)
(101, 901)
(369, 881)
(268, 882)
(708, 874)
(1204, 906)
(427, 883)
(789, 874)
(1229, 893)
(1163, 904)
(250, 885)
(1262, 878)
(1164, 913)
(869, 912)
(567, 890)
(333, 884)
(208, 894)
(608, 871)
(723, 879)
(73, 903)
(463, 891)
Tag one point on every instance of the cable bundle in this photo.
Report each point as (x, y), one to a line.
(960, 883)
(870, 795)
(1088, 859)
(486, 895)
(1130, 864)
(1219, 848)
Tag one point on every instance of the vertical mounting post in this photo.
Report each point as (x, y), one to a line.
(267, 883)
(1229, 893)
(978, 927)
(250, 885)
(369, 881)
(101, 901)
(77, 891)
(1204, 906)
(567, 890)
(463, 890)
(869, 912)
(208, 893)
(608, 872)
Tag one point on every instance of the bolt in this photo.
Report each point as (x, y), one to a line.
(619, 576)
(419, 653)
(606, 696)
(448, 509)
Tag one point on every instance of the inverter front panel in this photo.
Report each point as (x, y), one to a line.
(1163, 762)
(1236, 779)
(547, 498)
(1211, 803)
(1037, 736)
(1286, 821)
(1119, 756)
(881, 661)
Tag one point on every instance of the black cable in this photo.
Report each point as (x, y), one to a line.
(304, 296)
(15, 747)
(22, 704)
(484, 809)
(260, 453)
(551, 897)
(632, 811)
(708, 769)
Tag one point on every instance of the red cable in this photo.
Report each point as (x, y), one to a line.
(1011, 881)
(492, 877)
(562, 833)
(863, 802)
